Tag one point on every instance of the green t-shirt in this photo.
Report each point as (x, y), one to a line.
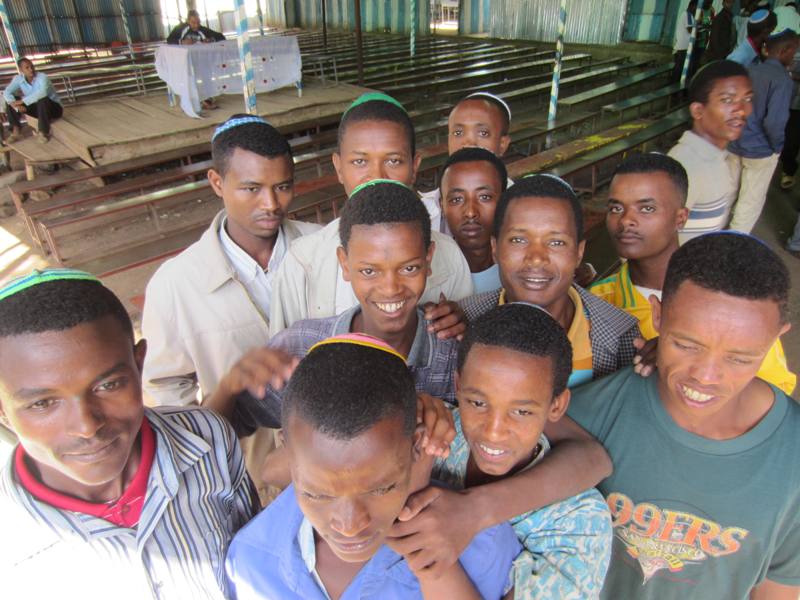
(693, 517)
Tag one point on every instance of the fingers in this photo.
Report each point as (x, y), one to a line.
(447, 319)
(440, 428)
(416, 503)
(645, 360)
(262, 367)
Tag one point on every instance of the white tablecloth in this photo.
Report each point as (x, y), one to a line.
(199, 71)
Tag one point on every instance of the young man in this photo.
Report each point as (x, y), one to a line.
(480, 120)
(646, 210)
(210, 304)
(705, 494)
(376, 141)
(104, 497)
(720, 100)
(513, 366)
(385, 254)
(192, 32)
(680, 44)
(31, 93)
(472, 181)
(538, 243)
(761, 142)
(722, 34)
(352, 470)
(759, 27)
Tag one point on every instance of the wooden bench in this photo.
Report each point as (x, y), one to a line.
(641, 100)
(614, 87)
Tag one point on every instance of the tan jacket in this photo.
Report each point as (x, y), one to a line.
(199, 320)
(305, 286)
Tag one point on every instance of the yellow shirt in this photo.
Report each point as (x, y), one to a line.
(618, 289)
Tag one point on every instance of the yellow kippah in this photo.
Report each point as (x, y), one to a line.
(359, 339)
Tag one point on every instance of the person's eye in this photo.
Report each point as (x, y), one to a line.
(485, 133)
(521, 412)
(285, 187)
(411, 269)
(684, 347)
(251, 189)
(315, 497)
(614, 209)
(455, 200)
(477, 403)
(749, 99)
(111, 386)
(515, 239)
(486, 198)
(384, 490)
(394, 162)
(358, 162)
(557, 243)
(648, 209)
(367, 272)
(458, 133)
(738, 360)
(42, 404)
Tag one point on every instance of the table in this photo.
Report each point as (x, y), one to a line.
(199, 71)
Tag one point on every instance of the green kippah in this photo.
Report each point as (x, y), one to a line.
(43, 276)
(360, 187)
(374, 97)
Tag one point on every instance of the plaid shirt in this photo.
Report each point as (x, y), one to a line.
(432, 362)
(612, 330)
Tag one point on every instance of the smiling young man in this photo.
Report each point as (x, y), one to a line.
(352, 469)
(720, 100)
(472, 181)
(104, 497)
(645, 213)
(375, 141)
(210, 304)
(705, 495)
(513, 367)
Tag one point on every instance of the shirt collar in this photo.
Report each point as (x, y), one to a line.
(244, 264)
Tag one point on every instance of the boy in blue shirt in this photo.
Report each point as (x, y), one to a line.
(513, 366)
(33, 94)
(355, 456)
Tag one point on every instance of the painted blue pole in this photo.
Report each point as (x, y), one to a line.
(562, 25)
(245, 59)
(413, 40)
(124, 14)
(12, 41)
(260, 17)
(687, 61)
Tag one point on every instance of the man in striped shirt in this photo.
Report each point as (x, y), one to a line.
(103, 497)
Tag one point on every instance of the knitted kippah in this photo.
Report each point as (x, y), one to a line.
(367, 184)
(43, 276)
(231, 123)
(374, 97)
(359, 339)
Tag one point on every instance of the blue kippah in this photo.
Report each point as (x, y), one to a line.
(231, 123)
(759, 16)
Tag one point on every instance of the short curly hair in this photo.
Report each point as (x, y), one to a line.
(342, 390)
(704, 80)
(732, 263)
(259, 138)
(383, 202)
(655, 162)
(524, 328)
(472, 154)
(377, 110)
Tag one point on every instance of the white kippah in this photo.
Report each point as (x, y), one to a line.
(495, 98)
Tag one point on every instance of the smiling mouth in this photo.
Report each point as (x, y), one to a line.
(491, 453)
(535, 282)
(694, 395)
(390, 307)
(93, 454)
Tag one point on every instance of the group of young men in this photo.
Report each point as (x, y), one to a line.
(458, 418)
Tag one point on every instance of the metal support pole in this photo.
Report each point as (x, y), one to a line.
(688, 60)
(260, 17)
(245, 59)
(124, 14)
(359, 44)
(413, 39)
(48, 21)
(325, 25)
(12, 41)
(562, 25)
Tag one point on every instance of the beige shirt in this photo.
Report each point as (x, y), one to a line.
(199, 319)
(309, 284)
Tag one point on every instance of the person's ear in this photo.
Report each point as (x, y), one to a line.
(139, 352)
(341, 254)
(422, 462)
(337, 166)
(681, 217)
(415, 166)
(581, 249)
(505, 142)
(786, 327)
(215, 179)
(558, 406)
(696, 110)
(493, 242)
(655, 308)
(4, 419)
(429, 257)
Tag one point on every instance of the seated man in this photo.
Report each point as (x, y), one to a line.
(376, 141)
(513, 366)
(103, 497)
(646, 211)
(472, 181)
(355, 457)
(385, 254)
(538, 243)
(31, 93)
(705, 495)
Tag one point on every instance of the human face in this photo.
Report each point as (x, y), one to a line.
(28, 70)
(644, 214)
(74, 399)
(537, 251)
(194, 23)
(375, 150)
(722, 118)
(476, 123)
(256, 191)
(470, 191)
(505, 398)
(388, 267)
(351, 490)
(710, 349)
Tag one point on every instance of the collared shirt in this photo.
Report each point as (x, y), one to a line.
(618, 289)
(32, 92)
(713, 184)
(308, 550)
(611, 333)
(265, 562)
(198, 496)
(432, 362)
(567, 545)
(256, 280)
(579, 336)
(763, 133)
(486, 280)
(744, 53)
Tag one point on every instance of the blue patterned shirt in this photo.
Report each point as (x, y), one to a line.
(567, 545)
